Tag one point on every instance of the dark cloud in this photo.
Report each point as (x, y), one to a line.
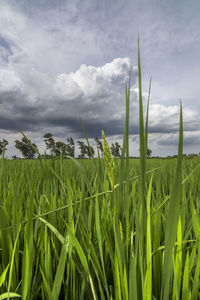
(5, 50)
(4, 43)
(33, 100)
(189, 139)
(97, 109)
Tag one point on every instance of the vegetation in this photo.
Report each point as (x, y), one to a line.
(116, 149)
(149, 152)
(25, 148)
(59, 148)
(101, 229)
(3, 145)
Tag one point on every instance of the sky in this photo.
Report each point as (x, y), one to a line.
(65, 60)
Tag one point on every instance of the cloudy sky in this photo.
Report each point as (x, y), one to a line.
(65, 60)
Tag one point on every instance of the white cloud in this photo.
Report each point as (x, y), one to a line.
(167, 116)
(8, 80)
(102, 81)
(67, 88)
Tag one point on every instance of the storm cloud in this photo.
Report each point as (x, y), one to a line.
(31, 100)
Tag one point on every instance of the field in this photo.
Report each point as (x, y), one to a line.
(101, 228)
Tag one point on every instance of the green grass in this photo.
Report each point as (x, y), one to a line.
(101, 228)
(82, 249)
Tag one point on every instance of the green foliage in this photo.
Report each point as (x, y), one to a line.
(50, 142)
(116, 149)
(99, 145)
(149, 152)
(109, 161)
(70, 148)
(59, 148)
(3, 145)
(83, 149)
(26, 149)
(89, 215)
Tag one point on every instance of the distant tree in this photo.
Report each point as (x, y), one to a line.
(3, 145)
(192, 155)
(14, 157)
(149, 152)
(25, 148)
(112, 149)
(60, 148)
(50, 142)
(70, 147)
(99, 145)
(45, 155)
(90, 151)
(116, 149)
(83, 149)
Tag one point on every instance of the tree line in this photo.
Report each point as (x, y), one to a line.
(57, 148)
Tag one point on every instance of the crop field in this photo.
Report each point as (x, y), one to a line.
(58, 239)
(101, 228)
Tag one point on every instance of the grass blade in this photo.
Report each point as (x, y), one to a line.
(148, 277)
(11, 295)
(172, 218)
(3, 275)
